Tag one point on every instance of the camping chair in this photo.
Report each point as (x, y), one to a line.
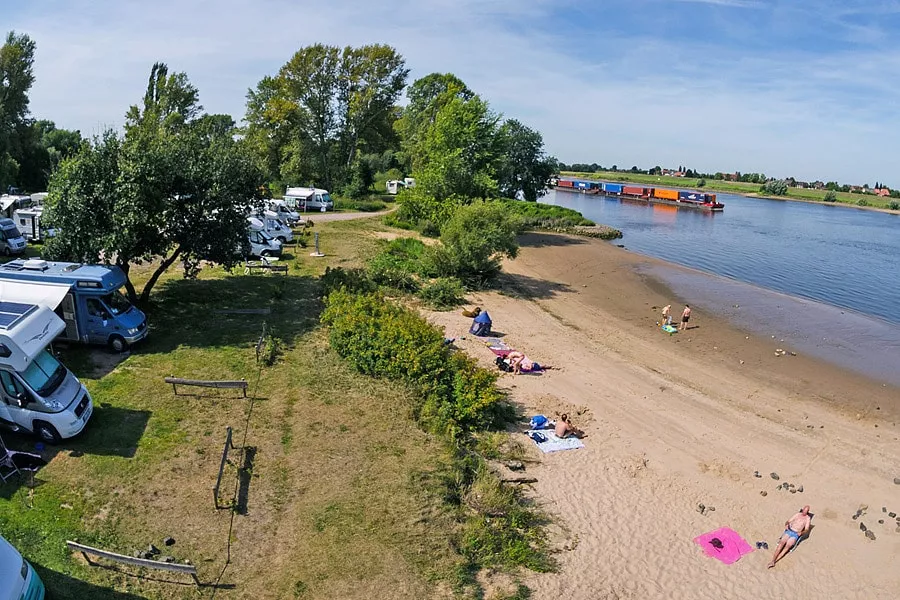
(8, 468)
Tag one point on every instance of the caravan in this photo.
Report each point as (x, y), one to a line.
(91, 305)
(27, 217)
(261, 243)
(307, 198)
(284, 214)
(37, 393)
(267, 220)
(11, 240)
(18, 581)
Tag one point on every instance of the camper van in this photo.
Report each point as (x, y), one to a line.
(11, 240)
(39, 394)
(307, 198)
(18, 581)
(284, 213)
(269, 222)
(27, 218)
(261, 243)
(91, 305)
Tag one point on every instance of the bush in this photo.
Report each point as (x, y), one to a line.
(385, 340)
(534, 215)
(775, 187)
(363, 205)
(894, 205)
(443, 293)
(353, 280)
(830, 196)
(473, 242)
(701, 183)
(271, 350)
(397, 265)
(862, 202)
(393, 219)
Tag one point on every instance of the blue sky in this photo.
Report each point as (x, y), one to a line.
(803, 88)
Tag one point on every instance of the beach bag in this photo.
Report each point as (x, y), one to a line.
(538, 422)
(503, 365)
(538, 437)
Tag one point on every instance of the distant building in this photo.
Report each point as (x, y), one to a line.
(801, 184)
(883, 191)
(856, 188)
(819, 185)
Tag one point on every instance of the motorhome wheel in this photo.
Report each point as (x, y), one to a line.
(117, 343)
(47, 432)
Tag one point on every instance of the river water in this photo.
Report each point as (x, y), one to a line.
(826, 279)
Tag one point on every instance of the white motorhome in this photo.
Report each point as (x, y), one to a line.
(269, 222)
(261, 243)
(284, 213)
(11, 240)
(394, 186)
(307, 198)
(18, 581)
(27, 218)
(38, 394)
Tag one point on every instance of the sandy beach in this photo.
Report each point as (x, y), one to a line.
(677, 421)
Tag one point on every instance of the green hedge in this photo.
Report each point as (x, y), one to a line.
(385, 340)
(535, 215)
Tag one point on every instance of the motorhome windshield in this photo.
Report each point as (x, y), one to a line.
(326, 197)
(44, 374)
(265, 236)
(11, 233)
(117, 303)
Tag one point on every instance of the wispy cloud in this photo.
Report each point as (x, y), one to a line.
(780, 89)
(731, 3)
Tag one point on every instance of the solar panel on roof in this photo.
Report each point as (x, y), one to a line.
(11, 312)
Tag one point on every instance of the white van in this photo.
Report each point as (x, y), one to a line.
(27, 218)
(261, 243)
(268, 221)
(284, 213)
(18, 581)
(11, 240)
(38, 394)
(307, 198)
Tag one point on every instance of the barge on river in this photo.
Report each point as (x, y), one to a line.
(678, 198)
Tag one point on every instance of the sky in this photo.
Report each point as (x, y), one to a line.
(801, 88)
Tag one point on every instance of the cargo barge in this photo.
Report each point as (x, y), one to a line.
(650, 195)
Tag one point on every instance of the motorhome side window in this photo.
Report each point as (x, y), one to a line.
(12, 387)
(95, 309)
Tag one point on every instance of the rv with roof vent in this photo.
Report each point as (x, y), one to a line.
(18, 581)
(307, 198)
(38, 394)
(93, 307)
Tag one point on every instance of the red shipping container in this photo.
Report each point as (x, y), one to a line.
(565, 183)
(633, 191)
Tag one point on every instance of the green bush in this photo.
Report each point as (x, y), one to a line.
(443, 293)
(362, 205)
(862, 202)
(775, 187)
(398, 264)
(394, 219)
(473, 242)
(534, 215)
(830, 196)
(701, 183)
(353, 280)
(385, 340)
(894, 205)
(271, 350)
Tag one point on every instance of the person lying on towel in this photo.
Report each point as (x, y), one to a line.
(481, 324)
(564, 428)
(521, 363)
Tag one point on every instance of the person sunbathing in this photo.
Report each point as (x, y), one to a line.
(521, 363)
(795, 527)
(564, 428)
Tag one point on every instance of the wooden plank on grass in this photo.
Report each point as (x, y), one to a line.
(130, 560)
(176, 381)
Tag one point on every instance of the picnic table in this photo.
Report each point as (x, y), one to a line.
(265, 265)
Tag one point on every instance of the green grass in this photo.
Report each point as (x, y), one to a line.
(734, 187)
(336, 507)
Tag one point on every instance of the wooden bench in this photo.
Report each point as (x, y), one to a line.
(130, 560)
(222, 385)
(265, 266)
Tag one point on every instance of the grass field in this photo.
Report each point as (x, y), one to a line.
(334, 488)
(733, 187)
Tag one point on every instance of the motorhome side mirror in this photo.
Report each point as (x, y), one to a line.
(21, 399)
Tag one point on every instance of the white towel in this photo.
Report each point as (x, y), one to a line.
(554, 443)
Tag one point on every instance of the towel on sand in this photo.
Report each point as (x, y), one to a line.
(733, 545)
(555, 444)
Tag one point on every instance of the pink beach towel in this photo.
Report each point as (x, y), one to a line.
(733, 545)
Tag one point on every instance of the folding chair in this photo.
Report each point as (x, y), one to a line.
(8, 468)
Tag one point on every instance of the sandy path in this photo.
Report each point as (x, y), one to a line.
(671, 425)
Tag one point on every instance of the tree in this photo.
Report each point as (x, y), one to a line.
(830, 196)
(775, 187)
(16, 79)
(523, 163)
(175, 187)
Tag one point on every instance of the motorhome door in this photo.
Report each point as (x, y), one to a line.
(66, 312)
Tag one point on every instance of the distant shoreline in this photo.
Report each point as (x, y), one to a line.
(685, 183)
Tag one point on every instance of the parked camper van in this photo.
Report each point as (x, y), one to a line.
(261, 243)
(18, 581)
(284, 213)
(39, 394)
(11, 240)
(268, 221)
(28, 218)
(306, 198)
(92, 307)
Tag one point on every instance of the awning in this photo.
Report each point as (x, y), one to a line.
(41, 294)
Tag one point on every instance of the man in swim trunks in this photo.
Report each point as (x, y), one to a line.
(565, 429)
(685, 317)
(795, 527)
(666, 314)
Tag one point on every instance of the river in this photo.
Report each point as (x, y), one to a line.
(824, 278)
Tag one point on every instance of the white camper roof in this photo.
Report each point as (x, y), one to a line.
(25, 330)
(303, 192)
(27, 292)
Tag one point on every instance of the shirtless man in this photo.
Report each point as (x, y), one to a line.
(795, 527)
(666, 314)
(565, 429)
(685, 317)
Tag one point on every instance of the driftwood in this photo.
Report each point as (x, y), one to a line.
(176, 381)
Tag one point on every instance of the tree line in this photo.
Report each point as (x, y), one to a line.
(177, 184)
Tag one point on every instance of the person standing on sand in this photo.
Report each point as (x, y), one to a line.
(685, 316)
(795, 527)
(666, 314)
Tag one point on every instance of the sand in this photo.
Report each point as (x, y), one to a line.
(675, 421)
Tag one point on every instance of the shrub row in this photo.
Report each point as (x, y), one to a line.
(382, 339)
(534, 215)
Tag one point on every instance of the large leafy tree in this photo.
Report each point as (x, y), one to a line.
(175, 187)
(523, 163)
(16, 79)
(327, 104)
